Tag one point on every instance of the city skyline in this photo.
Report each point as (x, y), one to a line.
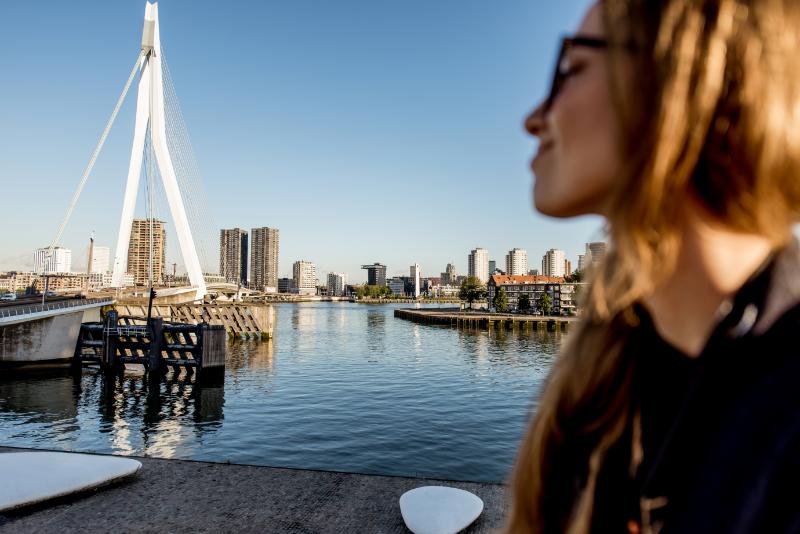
(242, 250)
(439, 113)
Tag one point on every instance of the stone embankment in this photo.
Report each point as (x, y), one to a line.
(406, 301)
(484, 320)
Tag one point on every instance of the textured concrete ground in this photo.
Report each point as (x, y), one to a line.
(185, 496)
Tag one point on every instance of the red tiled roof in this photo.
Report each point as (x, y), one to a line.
(506, 280)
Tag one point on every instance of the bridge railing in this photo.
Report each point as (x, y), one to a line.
(26, 309)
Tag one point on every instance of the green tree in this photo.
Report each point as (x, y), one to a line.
(574, 278)
(544, 303)
(500, 301)
(524, 302)
(471, 290)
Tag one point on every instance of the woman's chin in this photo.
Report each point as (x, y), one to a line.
(561, 208)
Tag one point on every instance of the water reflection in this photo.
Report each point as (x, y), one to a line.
(46, 400)
(341, 386)
(376, 330)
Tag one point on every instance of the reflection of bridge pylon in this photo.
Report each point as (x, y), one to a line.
(150, 114)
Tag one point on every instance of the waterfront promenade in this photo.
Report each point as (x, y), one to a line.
(483, 319)
(190, 496)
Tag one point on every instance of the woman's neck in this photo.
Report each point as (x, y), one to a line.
(713, 263)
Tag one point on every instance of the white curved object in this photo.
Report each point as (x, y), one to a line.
(439, 509)
(34, 477)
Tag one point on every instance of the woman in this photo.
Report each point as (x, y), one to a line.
(674, 407)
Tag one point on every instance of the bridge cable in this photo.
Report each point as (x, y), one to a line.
(186, 169)
(95, 154)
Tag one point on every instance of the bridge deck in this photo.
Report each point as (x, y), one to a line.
(29, 311)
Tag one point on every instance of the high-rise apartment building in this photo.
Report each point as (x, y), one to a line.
(337, 284)
(595, 252)
(264, 244)
(304, 275)
(59, 260)
(141, 248)
(376, 274)
(233, 255)
(478, 264)
(581, 262)
(517, 262)
(567, 267)
(553, 263)
(415, 281)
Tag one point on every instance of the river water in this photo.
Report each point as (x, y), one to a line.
(340, 387)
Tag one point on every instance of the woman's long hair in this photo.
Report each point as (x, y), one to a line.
(708, 95)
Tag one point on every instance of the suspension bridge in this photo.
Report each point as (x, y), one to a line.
(161, 153)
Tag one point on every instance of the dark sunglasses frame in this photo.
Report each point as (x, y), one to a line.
(559, 76)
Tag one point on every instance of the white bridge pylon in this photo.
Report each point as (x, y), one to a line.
(150, 113)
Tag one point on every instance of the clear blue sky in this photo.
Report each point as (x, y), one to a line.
(364, 130)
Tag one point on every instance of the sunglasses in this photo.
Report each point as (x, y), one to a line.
(562, 70)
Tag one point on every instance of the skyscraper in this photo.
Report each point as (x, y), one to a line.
(305, 277)
(553, 263)
(141, 248)
(264, 244)
(233, 255)
(376, 274)
(478, 264)
(517, 262)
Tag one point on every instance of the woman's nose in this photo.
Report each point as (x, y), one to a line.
(534, 123)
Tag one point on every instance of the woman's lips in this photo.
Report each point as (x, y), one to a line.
(544, 147)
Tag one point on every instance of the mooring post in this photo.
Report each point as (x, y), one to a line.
(155, 363)
(110, 338)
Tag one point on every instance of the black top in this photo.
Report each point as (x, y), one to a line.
(720, 432)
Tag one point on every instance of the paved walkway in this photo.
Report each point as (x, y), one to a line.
(187, 496)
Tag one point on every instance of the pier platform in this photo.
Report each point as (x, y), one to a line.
(189, 496)
(484, 320)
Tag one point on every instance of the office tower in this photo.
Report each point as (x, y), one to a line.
(141, 249)
(304, 276)
(553, 263)
(57, 261)
(233, 255)
(285, 285)
(581, 262)
(337, 284)
(492, 267)
(478, 264)
(376, 274)
(567, 267)
(264, 244)
(517, 262)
